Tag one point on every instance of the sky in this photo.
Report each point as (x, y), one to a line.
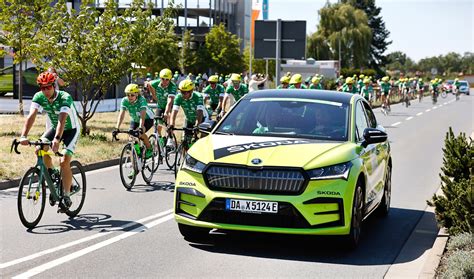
(419, 28)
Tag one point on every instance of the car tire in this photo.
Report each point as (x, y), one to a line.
(193, 234)
(357, 215)
(384, 206)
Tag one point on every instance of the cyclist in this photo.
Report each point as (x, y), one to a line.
(141, 115)
(385, 92)
(215, 93)
(316, 83)
(420, 86)
(349, 86)
(295, 82)
(364, 91)
(360, 83)
(284, 82)
(456, 85)
(163, 92)
(236, 89)
(339, 82)
(175, 76)
(192, 104)
(62, 125)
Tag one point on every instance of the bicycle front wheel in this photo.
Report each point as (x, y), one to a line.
(128, 166)
(150, 165)
(31, 198)
(180, 152)
(78, 189)
(170, 153)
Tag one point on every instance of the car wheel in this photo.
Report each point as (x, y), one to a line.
(352, 240)
(193, 234)
(384, 206)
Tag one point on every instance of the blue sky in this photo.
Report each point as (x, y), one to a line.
(419, 28)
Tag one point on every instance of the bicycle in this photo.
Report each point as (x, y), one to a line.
(168, 150)
(32, 187)
(182, 148)
(133, 161)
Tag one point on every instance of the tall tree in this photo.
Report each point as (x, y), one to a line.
(19, 21)
(224, 50)
(399, 61)
(345, 24)
(380, 33)
(318, 48)
(187, 56)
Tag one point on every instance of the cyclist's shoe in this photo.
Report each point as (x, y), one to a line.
(52, 202)
(149, 153)
(131, 174)
(67, 201)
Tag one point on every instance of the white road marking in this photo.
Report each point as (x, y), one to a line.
(409, 118)
(395, 124)
(445, 103)
(418, 114)
(103, 169)
(435, 108)
(82, 240)
(39, 269)
(428, 110)
(440, 105)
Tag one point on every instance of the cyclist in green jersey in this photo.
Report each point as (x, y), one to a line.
(316, 83)
(236, 89)
(141, 115)
(175, 76)
(385, 91)
(360, 83)
(163, 92)
(215, 93)
(349, 86)
(192, 104)
(295, 82)
(62, 125)
(365, 92)
(284, 82)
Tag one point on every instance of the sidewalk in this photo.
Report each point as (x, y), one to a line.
(8, 105)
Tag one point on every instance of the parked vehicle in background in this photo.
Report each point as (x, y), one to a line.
(29, 81)
(6, 80)
(464, 87)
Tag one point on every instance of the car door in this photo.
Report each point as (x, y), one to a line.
(381, 154)
(367, 154)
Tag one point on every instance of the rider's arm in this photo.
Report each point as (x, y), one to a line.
(142, 119)
(30, 120)
(174, 113)
(120, 119)
(169, 105)
(61, 122)
(224, 102)
(152, 91)
(199, 116)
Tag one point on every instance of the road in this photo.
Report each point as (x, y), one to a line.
(133, 234)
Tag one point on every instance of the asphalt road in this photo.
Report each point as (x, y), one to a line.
(133, 234)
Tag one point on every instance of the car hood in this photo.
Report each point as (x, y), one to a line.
(272, 151)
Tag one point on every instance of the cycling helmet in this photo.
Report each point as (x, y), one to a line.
(235, 77)
(456, 79)
(285, 79)
(315, 79)
(385, 78)
(176, 72)
(213, 78)
(361, 76)
(296, 78)
(166, 74)
(46, 78)
(349, 80)
(366, 80)
(132, 88)
(186, 85)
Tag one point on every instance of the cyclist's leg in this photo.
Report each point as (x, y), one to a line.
(148, 124)
(69, 138)
(48, 137)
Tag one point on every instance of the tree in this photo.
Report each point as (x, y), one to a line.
(380, 34)
(19, 21)
(259, 65)
(318, 47)
(399, 61)
(99, 48)
(224, 50)
(345, 24)
(187, 56)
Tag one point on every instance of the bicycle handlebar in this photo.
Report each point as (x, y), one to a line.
(16, 143)
(133, 133)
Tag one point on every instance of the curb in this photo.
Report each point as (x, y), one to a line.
(93, 166)
(436, 253)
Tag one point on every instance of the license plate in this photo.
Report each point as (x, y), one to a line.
(251, 206)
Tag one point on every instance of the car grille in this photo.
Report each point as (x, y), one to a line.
(263, 180)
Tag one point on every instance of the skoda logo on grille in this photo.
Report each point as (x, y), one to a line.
(256, 161)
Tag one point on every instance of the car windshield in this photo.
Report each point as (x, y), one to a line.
(464, 83)
(449, 82)
(288, 117)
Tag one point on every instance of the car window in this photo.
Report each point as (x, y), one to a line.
(370, 116)
(291, 117)
(463, 83)
(360, 121)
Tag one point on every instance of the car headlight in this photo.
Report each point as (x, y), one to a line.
(192, 164)
(331, 172)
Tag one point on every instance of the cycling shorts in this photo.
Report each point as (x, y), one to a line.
(148, 125)
(69, 138)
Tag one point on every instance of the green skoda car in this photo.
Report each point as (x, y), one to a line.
(309, 162)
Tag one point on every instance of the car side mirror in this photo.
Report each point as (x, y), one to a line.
(372, 135)
(206, 127)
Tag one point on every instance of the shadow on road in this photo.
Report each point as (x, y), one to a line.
(380, 243)
(87, 222)
(155, 186)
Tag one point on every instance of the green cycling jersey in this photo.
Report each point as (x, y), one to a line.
(135, 108)
(162, 94)
(189, 106)
(63, 102)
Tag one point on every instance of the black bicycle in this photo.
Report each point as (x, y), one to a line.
(189, 138)
(133, 160)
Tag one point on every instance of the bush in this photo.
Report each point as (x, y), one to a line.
(97, 137)
(460, 242)
(460, 265)
(453, 209)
